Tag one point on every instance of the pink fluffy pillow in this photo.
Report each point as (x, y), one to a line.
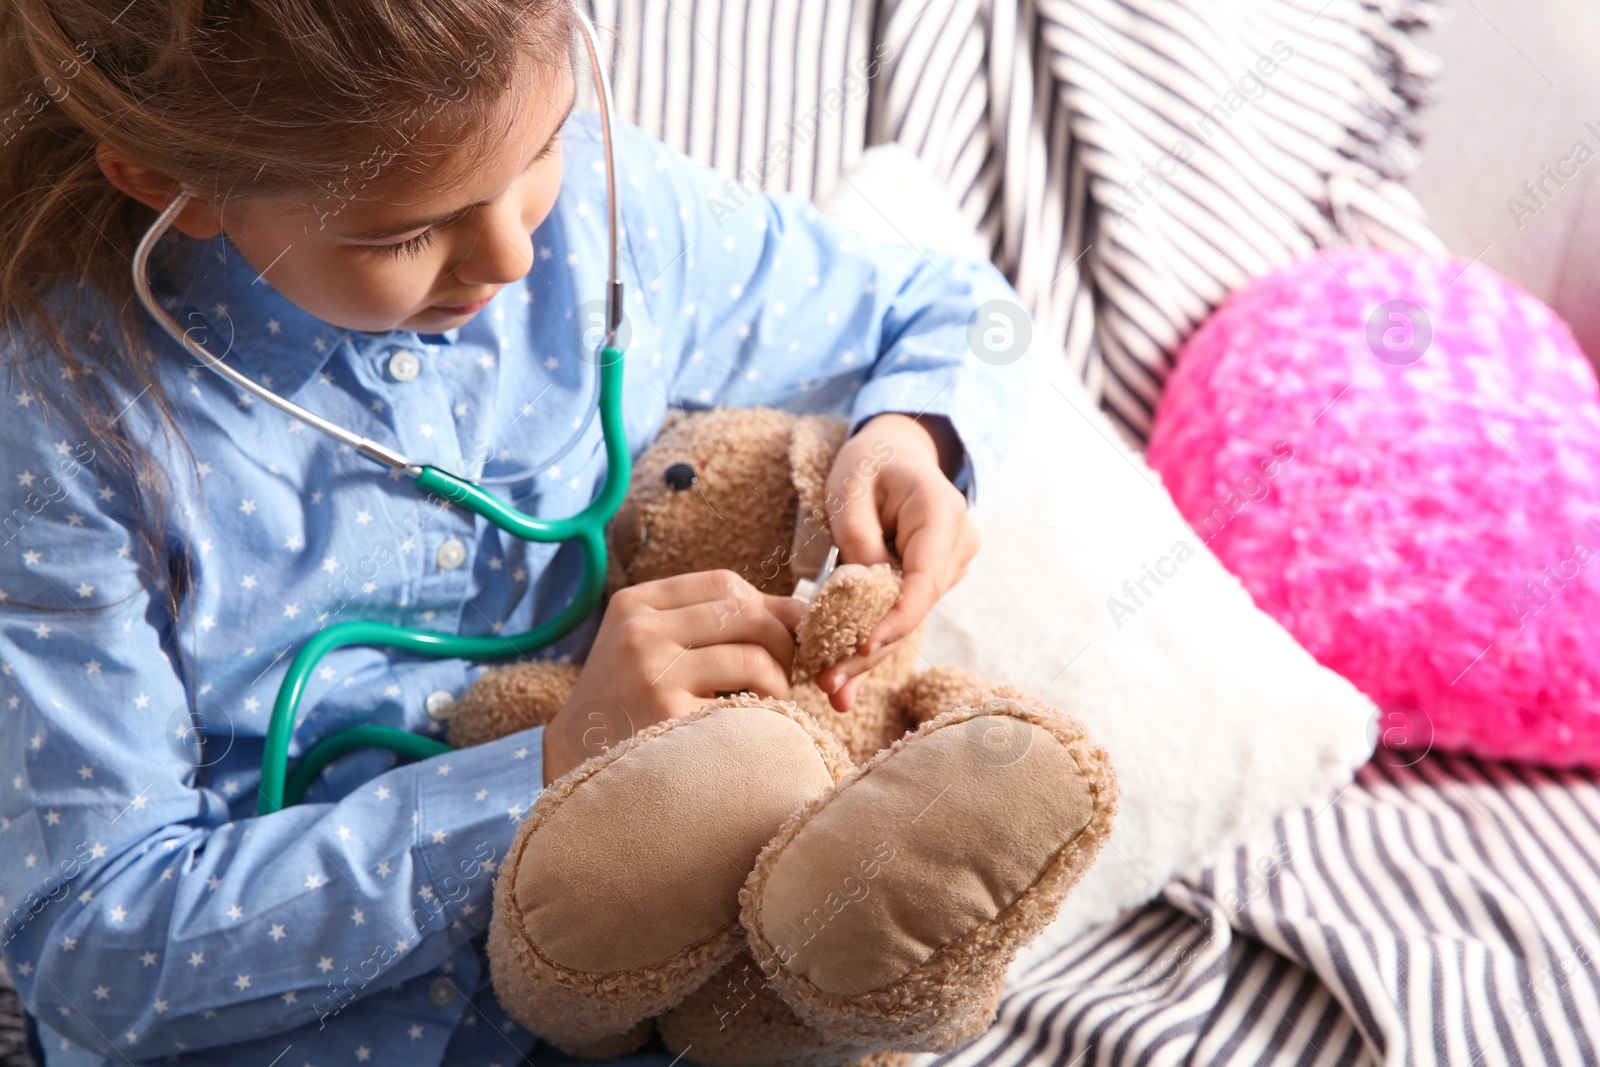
(1400, 456)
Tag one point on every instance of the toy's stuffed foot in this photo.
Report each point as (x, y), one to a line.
(737, 1020)
(887, 910)
(609, 1048)
(620, 893)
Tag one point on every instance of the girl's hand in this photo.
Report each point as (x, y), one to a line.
(891, 480)
(664, 650)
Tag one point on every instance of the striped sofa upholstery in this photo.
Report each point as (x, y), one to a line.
(1129, 162)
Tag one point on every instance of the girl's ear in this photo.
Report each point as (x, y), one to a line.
(199, 218)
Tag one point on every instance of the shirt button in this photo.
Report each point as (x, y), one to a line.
(404, 366)
(451, 554)
(439, 703)
(442, 991)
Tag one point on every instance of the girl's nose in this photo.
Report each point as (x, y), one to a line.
(501, 250)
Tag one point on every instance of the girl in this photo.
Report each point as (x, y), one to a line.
(395, 223)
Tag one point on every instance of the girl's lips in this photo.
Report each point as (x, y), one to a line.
(465, 309)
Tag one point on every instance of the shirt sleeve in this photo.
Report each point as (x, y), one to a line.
(762, 299)
(138, 914)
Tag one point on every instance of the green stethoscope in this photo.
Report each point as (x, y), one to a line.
(587, 527)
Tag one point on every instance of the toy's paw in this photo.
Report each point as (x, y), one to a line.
(887, 909)
(517, 696)
(937, 689)
(850, 603)
(619, 895)
(737, 1020)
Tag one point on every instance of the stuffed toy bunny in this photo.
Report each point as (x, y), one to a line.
(770, 882)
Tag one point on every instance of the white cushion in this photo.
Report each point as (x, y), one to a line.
(1215, 718)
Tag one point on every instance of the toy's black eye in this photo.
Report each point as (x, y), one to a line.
(679, 477)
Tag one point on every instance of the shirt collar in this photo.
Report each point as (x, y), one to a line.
(255, 328)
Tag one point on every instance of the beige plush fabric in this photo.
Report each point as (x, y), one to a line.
(509, 698)
(740, 510)
(759, 1027)
(617, 909)
(999, 790)
(624, 897)
(846, 609)
(812, 446)
(978, 824)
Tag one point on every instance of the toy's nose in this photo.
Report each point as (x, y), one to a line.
(679, 477)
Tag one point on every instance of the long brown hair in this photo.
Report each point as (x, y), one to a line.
(331, 100)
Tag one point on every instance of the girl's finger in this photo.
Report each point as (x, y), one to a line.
(705, 672)
(733, 622)
(928, 569)
(845, 698)
(851, 667)
(682, 590)
(857, 529)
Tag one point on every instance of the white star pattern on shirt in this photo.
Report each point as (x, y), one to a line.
(276, 932)
(315, 881)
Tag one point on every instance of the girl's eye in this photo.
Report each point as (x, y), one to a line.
(411, 247)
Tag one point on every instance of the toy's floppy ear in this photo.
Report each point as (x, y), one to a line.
(813, 444)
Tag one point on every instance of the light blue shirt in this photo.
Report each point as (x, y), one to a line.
(146, 906)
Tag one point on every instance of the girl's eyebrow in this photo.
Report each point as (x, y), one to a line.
(451, 216)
